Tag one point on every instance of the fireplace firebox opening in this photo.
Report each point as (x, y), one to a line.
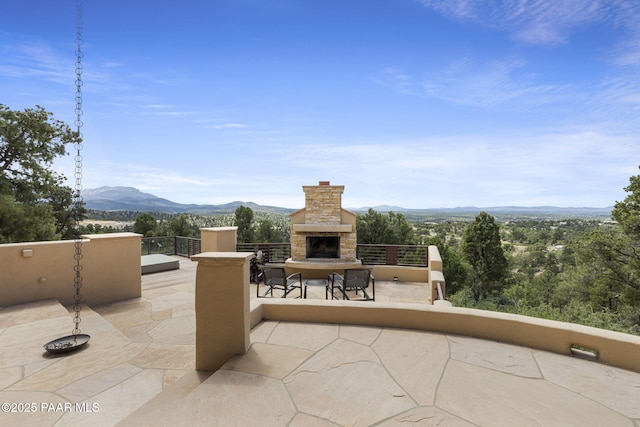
(323, 247)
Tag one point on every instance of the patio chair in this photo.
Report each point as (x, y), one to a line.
(276, 278)
(354, 280)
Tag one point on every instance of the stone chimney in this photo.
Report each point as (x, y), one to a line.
(323, 222)
(323, 203)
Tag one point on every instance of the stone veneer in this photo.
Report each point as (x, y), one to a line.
(323, 215)
(323, 203)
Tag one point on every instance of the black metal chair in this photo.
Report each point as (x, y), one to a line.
(276, 278)
(354, 280)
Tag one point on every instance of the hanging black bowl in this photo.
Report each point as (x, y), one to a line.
(67, 344)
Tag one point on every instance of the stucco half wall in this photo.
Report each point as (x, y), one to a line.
(36, 271)
(612, 348)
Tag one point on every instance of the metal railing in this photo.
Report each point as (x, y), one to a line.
(170, 245)
(272, 252)
(402, 255)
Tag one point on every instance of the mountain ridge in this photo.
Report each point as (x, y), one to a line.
(119, 198)
(129, 198)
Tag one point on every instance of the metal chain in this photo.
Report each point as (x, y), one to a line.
(77, 196)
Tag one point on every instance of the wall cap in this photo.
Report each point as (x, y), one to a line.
(222, 256)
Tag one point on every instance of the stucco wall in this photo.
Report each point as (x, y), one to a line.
(430, 275)
(402, 273)
(38, 271)
(218, 239)
(612, 348)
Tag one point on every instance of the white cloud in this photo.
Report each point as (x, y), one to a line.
(459, 9)
(230, 126)
(545, 22)
(614, 105)
(549, 21)
(466, 82)
(99, 173)
(564, 169)
(36, 60)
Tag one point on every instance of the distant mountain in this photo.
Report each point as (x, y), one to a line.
(501, 213)
(132, 199)
(126, 198)
(381, 208)
(499, 210)
(541, 210)
(533, 211)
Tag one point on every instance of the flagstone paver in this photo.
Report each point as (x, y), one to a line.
(138, 369)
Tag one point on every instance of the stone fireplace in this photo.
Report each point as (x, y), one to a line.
(323, 234)
(323, 247)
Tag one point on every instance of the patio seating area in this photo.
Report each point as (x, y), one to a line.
(275, 279)
(354, 283)
(138, 369)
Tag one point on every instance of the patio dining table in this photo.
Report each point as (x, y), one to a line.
(317, 282)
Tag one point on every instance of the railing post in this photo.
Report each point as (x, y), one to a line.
(391, 255)
(426, 256)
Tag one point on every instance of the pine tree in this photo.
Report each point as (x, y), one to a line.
(482, 248)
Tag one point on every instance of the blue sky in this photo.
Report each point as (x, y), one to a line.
(413, 103)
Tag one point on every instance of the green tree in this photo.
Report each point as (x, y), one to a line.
(65, 212)
(25, 222)
(267, 233)
(399, 231)
(391, 229)
(455, 270)
(30, 141)
(627, 212)
(612, 257)
(610, 261)
(179, 226)
(145, 224)
(482, 248)
(371, 227)
(243, 220)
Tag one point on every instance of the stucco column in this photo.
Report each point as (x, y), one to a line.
(218, 239)
(434, 262)
(222, 307)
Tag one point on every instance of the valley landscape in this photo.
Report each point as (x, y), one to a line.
(132, 199)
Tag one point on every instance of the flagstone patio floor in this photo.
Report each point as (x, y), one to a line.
(138, 369)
